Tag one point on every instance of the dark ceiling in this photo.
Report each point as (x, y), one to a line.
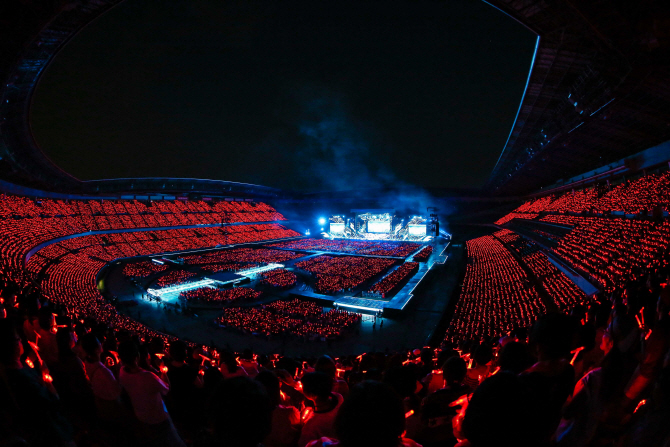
(599, 89)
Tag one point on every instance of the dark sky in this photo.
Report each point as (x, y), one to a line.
(309, 95)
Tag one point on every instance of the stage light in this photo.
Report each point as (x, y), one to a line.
(322, 220)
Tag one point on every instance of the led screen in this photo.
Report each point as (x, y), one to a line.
(379, 226)
(337, 227)
(417, 230)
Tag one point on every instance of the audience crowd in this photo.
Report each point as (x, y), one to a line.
(561, 292)
(595, 376)
(424, 254)
(394, 280)
(173, 278)
(648, 194)
(497, 295)
(295, 317)
(279, 278)
(228, 267)
(26, 223)
(212, 295)
(526, 360)
(376, 248)
(141, 269)
(251, 255)
(342, 273)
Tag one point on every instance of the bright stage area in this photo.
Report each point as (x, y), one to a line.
(381, 225)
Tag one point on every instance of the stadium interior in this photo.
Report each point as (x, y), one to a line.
(534, 311)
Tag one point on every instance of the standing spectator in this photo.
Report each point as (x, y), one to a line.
(25, 398)
(373, 415)
(46, 336)
(501, 413)
(480, 368)
(240, 413)
(69, 378)
(185, 384)
(593, 394)
(326, 365)
(514, 357)
(285, 419)
(229, 366)
(551, 379)
(146, 393)
(106, 389)
(438, 409)
(248, 363)
(318, 388)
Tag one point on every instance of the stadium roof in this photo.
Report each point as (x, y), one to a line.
(598, 90)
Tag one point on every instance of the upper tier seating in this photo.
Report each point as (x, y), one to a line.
(26, 223)
(630, 197)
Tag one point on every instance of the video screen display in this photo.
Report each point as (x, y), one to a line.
(379, 226)
(417, 230)
(337, 227)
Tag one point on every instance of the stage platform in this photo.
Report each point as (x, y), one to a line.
(223, 278)
(358, 304)
(394, 305)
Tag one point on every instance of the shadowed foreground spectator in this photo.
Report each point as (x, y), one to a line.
(320, 422)
(501, 413)
(240, 414)
(146, 391)
(286, 422)
(373, 415)
(26, 399)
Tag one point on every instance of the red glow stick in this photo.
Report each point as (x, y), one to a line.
(576, 353)
(642, 402)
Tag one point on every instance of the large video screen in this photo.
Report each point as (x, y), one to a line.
(375, 226)
(417, 230)
(336, 227)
